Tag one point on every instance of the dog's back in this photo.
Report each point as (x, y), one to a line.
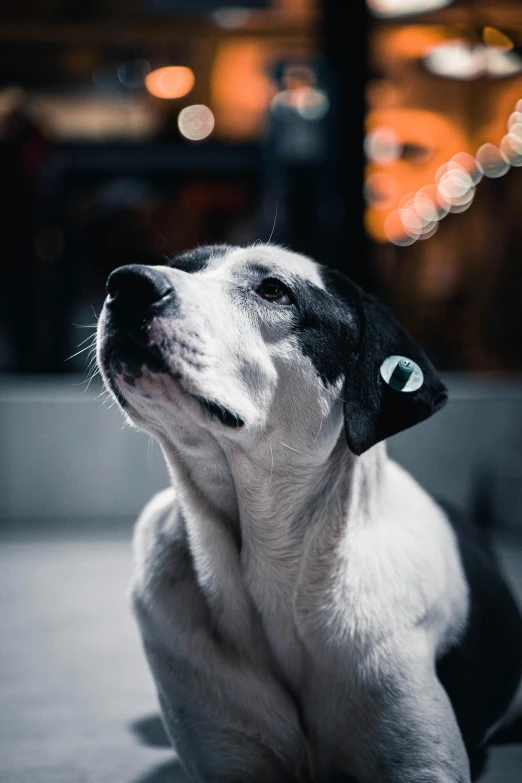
(482, 673)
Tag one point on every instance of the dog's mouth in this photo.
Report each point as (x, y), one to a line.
(129, 358)
(219, 412)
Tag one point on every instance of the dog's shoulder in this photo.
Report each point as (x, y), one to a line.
(160, 550)
(159, 525)
(420, 551)
(164, 592)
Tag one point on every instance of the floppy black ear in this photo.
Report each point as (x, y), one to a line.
(373, 410)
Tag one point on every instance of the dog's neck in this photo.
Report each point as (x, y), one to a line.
(274, 492)
(249, 516)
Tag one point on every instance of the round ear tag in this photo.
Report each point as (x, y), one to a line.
(402, 374)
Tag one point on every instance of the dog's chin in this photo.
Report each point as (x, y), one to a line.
(139, 376)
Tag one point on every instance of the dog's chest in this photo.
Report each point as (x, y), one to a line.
(270, 574)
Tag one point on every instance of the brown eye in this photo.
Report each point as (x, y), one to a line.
(274, 291)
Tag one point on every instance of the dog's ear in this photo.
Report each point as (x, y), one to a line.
(374, 410)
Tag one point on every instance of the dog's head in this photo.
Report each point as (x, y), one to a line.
(243, 342)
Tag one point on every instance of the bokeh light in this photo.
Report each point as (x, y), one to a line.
(493, 37)
(382, 146)
(418, 214)
(469, 164)
(500, 63)
(196, 122)
(173, 81)
(511, 143)
(492, 160)
(390, 8)
(311, 103)
(455, 60)
(408, 145)
(459, 59)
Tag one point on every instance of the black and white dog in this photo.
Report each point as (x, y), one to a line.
(309, 613)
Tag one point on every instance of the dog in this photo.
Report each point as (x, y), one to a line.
(308, 611)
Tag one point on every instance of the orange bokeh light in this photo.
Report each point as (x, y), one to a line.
(173, 81)
(427, 140)
(241, 88)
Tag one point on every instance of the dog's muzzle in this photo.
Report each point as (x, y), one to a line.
(136, 292)
(135, 296)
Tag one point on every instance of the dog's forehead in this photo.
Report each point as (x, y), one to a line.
(274, 257)
(227, 262)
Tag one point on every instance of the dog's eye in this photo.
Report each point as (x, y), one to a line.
(274, 291)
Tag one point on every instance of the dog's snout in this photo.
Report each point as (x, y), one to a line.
(136, 287)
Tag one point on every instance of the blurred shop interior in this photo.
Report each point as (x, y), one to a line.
(386, 142)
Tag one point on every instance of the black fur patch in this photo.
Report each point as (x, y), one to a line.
(481, 674)
(217, 411)
(198, 259)
(130, 357)
(327, 326)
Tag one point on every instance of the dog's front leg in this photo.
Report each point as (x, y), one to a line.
(392, 720)
(230, 720)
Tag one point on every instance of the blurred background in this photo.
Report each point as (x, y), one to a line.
(382, 138)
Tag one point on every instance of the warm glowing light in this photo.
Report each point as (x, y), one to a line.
(414, 145)
(382, 146)
(196, 122)
(511, 147)
(419, 217)
(493, 37)
(456, 188)
(511, 144)
(173, 81)
(492, 160)
(431, 191)
(455, 60)
(418, 214)
(309, 103)
(241, 88)
(501, 63)
(388, 8)
(461, 60)
(395, 231)
(514, 119)
(312, 104)
(470, 164)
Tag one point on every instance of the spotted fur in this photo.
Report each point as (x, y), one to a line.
(300, 597)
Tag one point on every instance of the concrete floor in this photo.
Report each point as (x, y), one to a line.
(78, 703)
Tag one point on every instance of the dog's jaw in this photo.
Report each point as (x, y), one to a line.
(157, 367)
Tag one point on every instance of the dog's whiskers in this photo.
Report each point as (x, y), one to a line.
(335, 396)
(272, 465)
(273, 226)
(320, 428)
(90, 337)
(296, 450)
(150, 446)
(87, 347)
(93, 375)
(104, 393)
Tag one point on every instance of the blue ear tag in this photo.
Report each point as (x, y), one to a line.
(402, 374)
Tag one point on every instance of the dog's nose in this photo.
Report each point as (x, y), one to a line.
(135, 287)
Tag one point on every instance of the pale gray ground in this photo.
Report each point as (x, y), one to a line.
(77, 701)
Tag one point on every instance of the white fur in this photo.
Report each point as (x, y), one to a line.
(282, 570)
